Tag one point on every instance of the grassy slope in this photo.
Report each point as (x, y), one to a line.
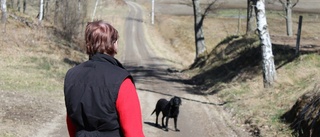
(34, 62)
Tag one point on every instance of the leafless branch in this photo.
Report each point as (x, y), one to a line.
(295, 3)
(210, 7)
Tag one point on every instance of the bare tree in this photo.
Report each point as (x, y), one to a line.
(198, 23)
(4, 11)
(269, 72)
(40, 16)
(288, 5)
(94, 11)
(56, 11)
(251, 26)
(69, 16)
(18, 5)
(24, 6)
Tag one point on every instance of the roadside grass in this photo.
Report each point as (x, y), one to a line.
(33, 66)
(34, 58)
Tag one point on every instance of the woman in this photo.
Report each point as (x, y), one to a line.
(100, 96)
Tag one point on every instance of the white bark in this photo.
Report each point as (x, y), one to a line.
(289, 18)
(269, 72)
(152, 12)
(4, 11)
(41, 11)
(94, 11)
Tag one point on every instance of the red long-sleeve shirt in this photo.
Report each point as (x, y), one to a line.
(129, 111)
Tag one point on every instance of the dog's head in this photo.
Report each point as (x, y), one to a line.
(175, 101)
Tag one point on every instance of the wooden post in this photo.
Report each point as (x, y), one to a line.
(298, 36)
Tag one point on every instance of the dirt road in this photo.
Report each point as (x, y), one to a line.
(199, 115)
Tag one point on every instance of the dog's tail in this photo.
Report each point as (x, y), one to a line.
(153, 111)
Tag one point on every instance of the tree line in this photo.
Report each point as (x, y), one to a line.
(66, 15)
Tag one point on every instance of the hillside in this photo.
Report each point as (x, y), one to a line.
(35, 58)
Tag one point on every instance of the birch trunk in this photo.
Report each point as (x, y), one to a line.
(4, 11)
(94, 11)
(199, 38)
(289, 17)
(41, 11)
(269, 72)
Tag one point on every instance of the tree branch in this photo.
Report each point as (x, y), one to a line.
(295, 3)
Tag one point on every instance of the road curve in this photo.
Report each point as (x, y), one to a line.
(200, 116)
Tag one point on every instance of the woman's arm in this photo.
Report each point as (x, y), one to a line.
(128, 107)
(71, 127)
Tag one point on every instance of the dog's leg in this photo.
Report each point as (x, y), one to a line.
(166, 126)
(175, 123)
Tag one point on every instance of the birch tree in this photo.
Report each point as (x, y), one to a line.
(94, 11)
(4, 11)
(288, 5)
(40, 11)
(269, 72)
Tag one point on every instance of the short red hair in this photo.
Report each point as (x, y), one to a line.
(100, 37)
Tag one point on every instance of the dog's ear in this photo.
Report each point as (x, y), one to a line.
(171, 101)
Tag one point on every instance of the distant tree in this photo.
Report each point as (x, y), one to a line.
(56, 12)
(251, 26)
(288, 5)
(24, 6)
(4, 11)
(94, 11)
(10, 4)
(18, 5)
(198, 23)
(69, 15)
(269, 72)
(40, 15)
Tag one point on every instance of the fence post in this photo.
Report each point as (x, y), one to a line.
(298, 36)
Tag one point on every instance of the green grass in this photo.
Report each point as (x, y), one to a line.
(33, 74)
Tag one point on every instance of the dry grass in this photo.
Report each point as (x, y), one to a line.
(33, 66)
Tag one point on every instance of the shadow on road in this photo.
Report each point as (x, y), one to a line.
(156, 126)
(198, 101)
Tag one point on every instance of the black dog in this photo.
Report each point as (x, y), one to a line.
(169, 109)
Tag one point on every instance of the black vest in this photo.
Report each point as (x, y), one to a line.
(91, 90)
